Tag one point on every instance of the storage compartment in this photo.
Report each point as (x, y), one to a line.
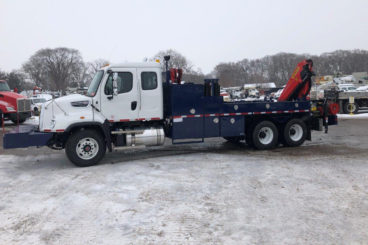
(232, 126)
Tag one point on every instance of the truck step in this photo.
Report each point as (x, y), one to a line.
(127, 132)
(128, 147)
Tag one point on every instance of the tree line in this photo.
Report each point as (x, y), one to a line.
(278, 68)
(56, 69)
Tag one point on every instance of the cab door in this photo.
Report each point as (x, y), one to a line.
(124, 106)
(151, 98)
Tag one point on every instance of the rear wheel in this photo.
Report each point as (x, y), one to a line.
(294, 133)
(85, 148)
(351, 108)
(265, 135)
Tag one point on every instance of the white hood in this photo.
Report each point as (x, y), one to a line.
(58, 114)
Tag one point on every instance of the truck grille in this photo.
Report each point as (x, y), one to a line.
(23, 105)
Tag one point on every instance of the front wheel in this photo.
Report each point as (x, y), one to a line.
(85, 148)
(265, 135)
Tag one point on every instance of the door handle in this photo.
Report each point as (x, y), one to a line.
(133, 105)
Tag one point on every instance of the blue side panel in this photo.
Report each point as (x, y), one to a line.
(212, 105)
(183, 99)
(232, 126)
(188, 128)
(211, 127)
(25, 136)
(260, 106)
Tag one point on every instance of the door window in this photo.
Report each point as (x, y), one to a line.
(149, 80)
(124, 83)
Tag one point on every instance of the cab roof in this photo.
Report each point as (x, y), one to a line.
(134, 65)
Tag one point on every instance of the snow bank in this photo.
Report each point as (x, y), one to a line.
(355, 116)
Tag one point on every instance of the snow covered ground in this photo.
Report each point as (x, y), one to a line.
(212, 193)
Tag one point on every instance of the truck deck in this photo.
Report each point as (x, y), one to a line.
(196, 116)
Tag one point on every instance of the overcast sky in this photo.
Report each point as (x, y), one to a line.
(206, 32)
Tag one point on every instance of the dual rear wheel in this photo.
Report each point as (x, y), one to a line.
(265, 135)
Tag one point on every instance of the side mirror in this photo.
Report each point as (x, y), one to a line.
(115, 84)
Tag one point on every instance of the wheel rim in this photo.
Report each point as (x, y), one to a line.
(295, 132)
(87, 148)
(265, 135)
(351, 107)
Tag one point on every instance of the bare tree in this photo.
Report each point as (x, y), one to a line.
(55, 68)
(15, 79)
(90, 68)
(177, 60)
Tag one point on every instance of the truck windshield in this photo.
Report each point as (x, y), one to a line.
(94, 84)
(4, 86)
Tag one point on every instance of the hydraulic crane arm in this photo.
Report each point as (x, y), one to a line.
(300, 82)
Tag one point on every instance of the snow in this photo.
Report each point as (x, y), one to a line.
(34, 120)
(216, 193)
(211, 193)
(362, 88)
(354, 116)
(259, 85)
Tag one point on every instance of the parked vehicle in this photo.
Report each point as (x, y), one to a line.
(346, 87)
(349, 99)
(36, 104)
(225, 95)
(360, 100)
(13, 106)
(126, 106)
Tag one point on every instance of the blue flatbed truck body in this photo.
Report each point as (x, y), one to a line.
(193, 115)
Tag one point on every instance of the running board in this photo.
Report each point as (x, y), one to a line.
(127, 132)
(129, 147)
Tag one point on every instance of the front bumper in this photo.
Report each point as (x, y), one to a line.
(25, 136)
(13, 114)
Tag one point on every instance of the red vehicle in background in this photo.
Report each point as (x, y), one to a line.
(13, 106)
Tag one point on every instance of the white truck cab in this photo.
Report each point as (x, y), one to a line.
(118, 93)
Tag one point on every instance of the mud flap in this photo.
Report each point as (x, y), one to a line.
(106, 131)
(309, 134)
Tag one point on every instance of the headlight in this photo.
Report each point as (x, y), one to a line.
(83, 103)
(10, 108)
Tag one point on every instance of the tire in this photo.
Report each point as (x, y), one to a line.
(234, 139)
(265, 135)
(294, 133)
(85, 148)
(351, 108)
